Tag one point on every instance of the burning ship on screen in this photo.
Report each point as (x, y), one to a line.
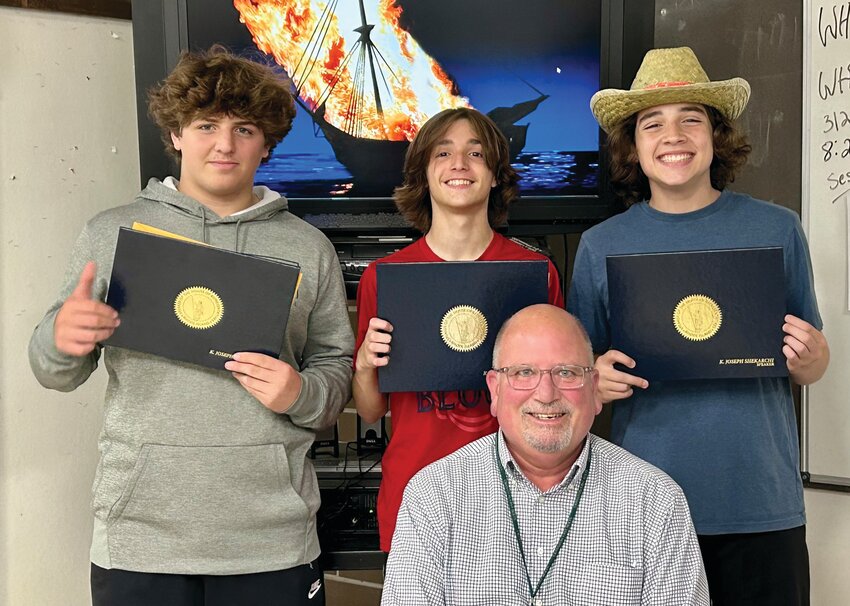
(368, 87)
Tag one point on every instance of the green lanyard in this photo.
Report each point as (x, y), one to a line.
(567, 526)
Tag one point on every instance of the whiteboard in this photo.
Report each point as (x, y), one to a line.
(825, 201)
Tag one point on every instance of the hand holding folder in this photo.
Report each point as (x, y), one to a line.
(188, 301)
(273, 382)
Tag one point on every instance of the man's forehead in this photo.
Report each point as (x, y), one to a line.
(524, 341)
(530, 342)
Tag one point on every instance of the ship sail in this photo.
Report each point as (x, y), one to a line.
(367, 93)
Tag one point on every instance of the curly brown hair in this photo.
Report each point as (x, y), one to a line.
(216, 82)
(628, 180)
(412, 197)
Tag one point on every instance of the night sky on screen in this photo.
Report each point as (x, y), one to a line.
(489, 47)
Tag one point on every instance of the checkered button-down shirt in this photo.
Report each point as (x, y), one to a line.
(632, 540)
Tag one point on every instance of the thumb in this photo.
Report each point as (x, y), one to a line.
(83, 290)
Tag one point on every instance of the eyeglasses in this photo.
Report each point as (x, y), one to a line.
(526, 377)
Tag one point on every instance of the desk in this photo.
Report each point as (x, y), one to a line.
(347, 519)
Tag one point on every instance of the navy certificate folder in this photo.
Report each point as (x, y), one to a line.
(196, 303)
(445, 317)
(699, 315)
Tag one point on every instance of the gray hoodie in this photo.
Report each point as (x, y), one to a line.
(195, 475)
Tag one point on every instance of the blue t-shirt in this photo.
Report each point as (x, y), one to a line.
(731, 444)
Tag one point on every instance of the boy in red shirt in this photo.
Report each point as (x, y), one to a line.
(458, 183)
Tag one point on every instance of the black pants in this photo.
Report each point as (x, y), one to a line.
(298, 586)
(755, 569)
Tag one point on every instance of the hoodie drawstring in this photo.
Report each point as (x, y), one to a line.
(204, 238)
(204, 227)
(236, 240)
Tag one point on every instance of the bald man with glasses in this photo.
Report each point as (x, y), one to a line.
(543, 512)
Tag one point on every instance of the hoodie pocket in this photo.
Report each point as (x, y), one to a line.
(194, 505)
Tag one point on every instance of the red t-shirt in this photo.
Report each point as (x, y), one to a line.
(427, 426)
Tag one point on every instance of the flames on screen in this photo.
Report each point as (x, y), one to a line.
(316, 43)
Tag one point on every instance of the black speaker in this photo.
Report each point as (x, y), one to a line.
(326, 443)
(371, 437)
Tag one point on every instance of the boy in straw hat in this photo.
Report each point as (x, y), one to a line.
(731, 444)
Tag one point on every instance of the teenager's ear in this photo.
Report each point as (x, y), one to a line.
(175, 140)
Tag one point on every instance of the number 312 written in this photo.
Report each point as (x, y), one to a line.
(836, 121)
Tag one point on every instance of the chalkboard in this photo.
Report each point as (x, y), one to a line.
(825, 200)
(761, 42)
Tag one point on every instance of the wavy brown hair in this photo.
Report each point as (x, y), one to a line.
(412, 197)
(628, 180)
(216, 82)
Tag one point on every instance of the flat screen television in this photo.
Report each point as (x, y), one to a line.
(368, 73)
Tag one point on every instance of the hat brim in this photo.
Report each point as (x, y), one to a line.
(611, 106)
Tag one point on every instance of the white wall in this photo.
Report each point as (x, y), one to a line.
(68, 148)
(828, 537)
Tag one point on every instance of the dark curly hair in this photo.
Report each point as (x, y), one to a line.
(630, 183)
(412, 197)
(216, 82)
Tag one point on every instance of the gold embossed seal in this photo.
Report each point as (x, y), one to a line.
(697, 317)
(463, 328)
(198, 307)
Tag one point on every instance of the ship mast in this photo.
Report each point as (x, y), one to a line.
(364, 30)
(367, 53)
(369, 58)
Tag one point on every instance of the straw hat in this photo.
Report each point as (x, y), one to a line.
(669, 75)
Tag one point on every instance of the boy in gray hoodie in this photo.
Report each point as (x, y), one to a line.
(203, 492)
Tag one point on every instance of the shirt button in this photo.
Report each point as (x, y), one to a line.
(540, 551)
(541, 498)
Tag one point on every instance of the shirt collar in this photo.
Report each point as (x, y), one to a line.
(262, 194)
(515, 472)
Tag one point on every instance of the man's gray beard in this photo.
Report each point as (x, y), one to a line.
(549, 441)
